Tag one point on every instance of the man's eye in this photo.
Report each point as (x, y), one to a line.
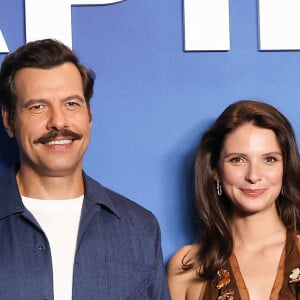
(37, 108)
(72, 104)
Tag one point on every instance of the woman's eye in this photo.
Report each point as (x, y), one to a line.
(236, 160)
(270, 159)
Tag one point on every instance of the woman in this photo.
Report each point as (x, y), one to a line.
(247, 186)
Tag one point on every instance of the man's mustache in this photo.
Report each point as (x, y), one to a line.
(57, 133)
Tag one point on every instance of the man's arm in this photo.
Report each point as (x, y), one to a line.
(160, 286)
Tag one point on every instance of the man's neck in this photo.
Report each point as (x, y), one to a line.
(41, 186)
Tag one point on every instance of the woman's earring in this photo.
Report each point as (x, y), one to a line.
(219, 188)
(282, 191)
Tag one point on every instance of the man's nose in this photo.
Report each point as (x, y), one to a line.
(57, 119)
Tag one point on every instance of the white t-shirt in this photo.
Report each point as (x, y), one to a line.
(59, 219)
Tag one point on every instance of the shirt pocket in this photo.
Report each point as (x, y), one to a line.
(130, 281)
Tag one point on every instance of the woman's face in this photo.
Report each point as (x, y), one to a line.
(251, 169)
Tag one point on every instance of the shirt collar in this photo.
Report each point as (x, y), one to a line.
(11, 202)
(95, 192)
(10, 199)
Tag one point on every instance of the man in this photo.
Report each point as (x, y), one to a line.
(64, 236)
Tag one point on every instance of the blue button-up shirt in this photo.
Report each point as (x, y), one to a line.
(118, 254)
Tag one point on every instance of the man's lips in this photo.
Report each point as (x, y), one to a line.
(58, 137)
(60, 142)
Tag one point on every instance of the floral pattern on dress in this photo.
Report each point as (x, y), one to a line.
(294, 282)
(222, 281)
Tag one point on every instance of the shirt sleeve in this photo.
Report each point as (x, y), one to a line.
(160, 289)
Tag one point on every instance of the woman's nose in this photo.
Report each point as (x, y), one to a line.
(253, 173)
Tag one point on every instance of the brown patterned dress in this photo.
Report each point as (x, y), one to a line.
(236, 289)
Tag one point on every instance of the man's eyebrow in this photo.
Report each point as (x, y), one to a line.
(71, 97)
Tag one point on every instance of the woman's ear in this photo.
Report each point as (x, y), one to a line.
(216, 175)
(5, 119)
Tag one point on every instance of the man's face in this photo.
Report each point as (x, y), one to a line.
(52, 124)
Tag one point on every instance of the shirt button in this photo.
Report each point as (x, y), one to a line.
(41, 247)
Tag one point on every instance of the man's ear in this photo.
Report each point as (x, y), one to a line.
(91, 114)
(6, 123)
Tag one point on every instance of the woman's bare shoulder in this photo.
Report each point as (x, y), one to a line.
(184, 284)
(184, 254)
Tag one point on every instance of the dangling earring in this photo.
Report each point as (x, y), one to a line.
(219, 188)
(282, 191)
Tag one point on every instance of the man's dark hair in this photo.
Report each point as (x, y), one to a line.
(43, 54)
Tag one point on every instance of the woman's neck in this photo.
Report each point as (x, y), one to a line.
(257, 230)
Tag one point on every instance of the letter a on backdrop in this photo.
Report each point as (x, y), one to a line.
(52, 18)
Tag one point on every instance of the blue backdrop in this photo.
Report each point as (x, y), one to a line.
(153, 100)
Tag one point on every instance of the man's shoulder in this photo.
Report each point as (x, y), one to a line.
(124, 202)
(8, 182)
(126, 207)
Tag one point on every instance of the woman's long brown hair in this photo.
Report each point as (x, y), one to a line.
(214, 212)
